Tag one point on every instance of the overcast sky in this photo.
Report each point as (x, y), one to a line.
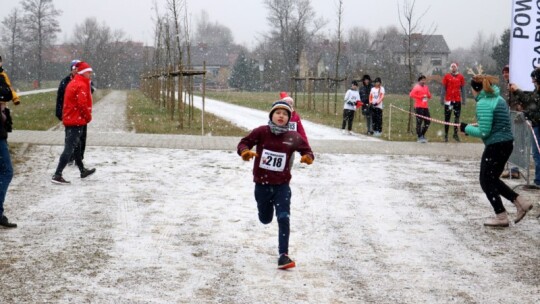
(458, 20)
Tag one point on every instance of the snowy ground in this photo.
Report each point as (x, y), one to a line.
(180, 226)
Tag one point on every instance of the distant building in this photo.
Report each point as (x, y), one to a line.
(219, 62)
(429, 53)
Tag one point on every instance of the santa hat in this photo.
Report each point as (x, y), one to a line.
(83, 67)
(283, 95)
(288, 100)
(454, 64)
(73, 64)
(280, 104)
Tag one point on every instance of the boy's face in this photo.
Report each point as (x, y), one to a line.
(280, 117)
(506, 75)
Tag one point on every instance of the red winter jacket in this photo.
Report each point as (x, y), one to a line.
(77, 102)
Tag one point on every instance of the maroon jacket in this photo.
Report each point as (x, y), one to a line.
(274, 152)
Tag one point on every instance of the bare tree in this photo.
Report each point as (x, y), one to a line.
(212, 33)
(411, 25)
(106, 50)
(158, 34)
(41, 22)
(338, 53)
(482, 48)
(359, 41)
(293, 24)
(12, 36)
(175, 8)
(86, 36)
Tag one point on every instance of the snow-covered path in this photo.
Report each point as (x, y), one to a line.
(180, 226)
(250, 118)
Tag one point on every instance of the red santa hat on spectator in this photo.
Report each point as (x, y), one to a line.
(83, 67)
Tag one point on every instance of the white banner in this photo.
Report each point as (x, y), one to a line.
(524, 42)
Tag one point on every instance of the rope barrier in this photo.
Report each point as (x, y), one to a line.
(429, 118)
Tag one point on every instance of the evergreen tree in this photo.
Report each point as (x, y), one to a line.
(245, 74)
(501, 52)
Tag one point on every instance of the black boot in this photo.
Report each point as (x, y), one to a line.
(456, 137)
(87, 172)
(5, 222)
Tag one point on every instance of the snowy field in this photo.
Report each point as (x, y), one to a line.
(181, 226)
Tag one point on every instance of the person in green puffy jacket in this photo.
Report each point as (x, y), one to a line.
(494, 129)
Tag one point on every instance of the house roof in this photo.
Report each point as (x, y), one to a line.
(213, 55)
(419, 43)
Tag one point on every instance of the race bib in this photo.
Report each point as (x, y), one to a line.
(273, 161)
(293, 126)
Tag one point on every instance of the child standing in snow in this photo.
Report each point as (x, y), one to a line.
(421, 95)
(376, 97)
(271, 170)
(349, 108)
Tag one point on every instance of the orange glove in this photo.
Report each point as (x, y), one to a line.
(16, 101)
(306, 159)
(248, 154)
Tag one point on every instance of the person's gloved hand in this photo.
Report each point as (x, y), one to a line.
(306, 159)
(16, 101)
(462, 127)
(248, 154)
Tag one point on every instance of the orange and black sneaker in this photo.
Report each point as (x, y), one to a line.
(285, 262)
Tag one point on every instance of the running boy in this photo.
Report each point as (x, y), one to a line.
(271, 171)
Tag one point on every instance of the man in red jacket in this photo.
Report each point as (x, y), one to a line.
(76, 114)
(452, 97)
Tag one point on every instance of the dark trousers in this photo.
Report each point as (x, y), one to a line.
(269, 197)
(348, 117)
(6, 172)
(456, 107)
(492, 165)
(72, 140)
(377, 119)
(81, 146)
(369, 122)
(422, 124)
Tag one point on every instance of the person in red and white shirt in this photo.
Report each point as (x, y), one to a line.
(421, 95)
(376, 98)
(452, 97)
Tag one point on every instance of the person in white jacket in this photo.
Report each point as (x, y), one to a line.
(352, 97)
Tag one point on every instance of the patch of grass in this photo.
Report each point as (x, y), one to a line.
(37, 111)
(318, 113)
(145, 116)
